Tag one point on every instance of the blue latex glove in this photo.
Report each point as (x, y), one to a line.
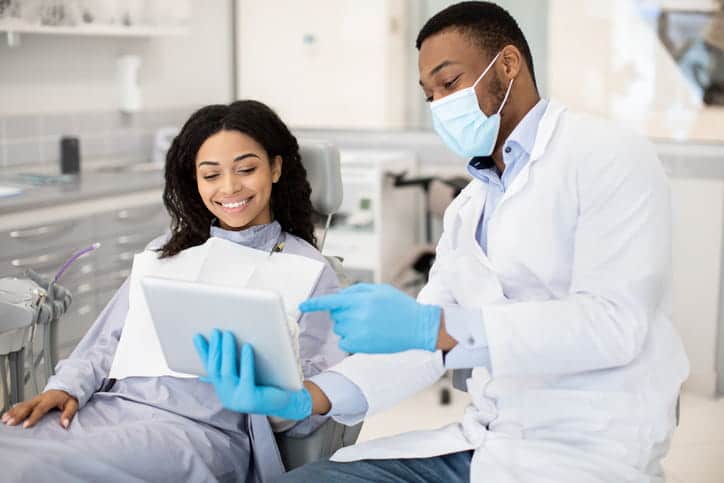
(235, 386)
(378, 319)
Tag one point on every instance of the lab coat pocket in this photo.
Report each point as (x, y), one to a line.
(613, 424)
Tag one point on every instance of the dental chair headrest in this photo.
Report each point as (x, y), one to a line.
(321, 160)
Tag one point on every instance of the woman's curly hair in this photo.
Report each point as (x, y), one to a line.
(290, 198)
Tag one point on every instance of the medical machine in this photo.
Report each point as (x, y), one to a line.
(20, 302)
(30, 304)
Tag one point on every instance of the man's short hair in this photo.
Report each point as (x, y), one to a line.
(488, 25)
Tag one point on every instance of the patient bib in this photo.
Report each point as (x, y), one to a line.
(217, 262)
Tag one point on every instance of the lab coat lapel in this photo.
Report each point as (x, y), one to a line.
(468, 218)
(548, 123)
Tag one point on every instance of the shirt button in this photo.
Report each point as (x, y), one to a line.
(507, 149)
(471, 341)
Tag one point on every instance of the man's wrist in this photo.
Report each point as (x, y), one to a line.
(445, 342)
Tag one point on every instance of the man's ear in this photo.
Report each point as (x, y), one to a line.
(277, 168)
(512, 61)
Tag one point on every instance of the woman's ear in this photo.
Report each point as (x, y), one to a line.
(277, 168)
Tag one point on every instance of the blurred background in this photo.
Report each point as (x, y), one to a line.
(93, 91)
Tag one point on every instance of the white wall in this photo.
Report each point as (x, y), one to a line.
(325, 63)
(52, 73)
(697, 261)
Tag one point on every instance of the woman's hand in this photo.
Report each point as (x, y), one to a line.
(31, 411)
(233, 378)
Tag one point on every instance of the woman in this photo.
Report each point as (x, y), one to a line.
(233, 172)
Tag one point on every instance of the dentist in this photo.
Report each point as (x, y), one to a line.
(550, 293)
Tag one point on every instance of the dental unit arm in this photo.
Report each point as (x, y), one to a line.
(26, 304)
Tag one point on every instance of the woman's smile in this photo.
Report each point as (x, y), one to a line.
(234, 206)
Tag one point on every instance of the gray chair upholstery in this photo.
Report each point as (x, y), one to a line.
(321, 160)
(321, 444)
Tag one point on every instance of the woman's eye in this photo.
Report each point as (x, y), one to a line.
(246, 170)
(210, 176)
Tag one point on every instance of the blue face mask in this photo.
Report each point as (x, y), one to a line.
(461, 124)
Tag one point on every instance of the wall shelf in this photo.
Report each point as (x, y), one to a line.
(15, 27)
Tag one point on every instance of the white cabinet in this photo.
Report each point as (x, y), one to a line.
(324, 63)
(42, 239)
(377, 225)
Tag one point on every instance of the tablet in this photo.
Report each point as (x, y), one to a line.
(180, 310)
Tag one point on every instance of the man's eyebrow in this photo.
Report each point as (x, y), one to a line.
(442, 65)
(438, 68)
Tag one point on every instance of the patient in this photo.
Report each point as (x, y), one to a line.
(233, 172)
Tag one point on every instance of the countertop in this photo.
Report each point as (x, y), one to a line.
(110, 178)
(99, 180)
(692, 160)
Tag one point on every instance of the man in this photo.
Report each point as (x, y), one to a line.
(551, 283)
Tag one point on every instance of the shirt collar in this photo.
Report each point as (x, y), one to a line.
(523, 137)
(259, 237)
(525, 132)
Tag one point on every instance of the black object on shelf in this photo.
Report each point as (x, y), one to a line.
(69, 155)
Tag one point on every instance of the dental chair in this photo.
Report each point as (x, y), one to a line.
(321, 160)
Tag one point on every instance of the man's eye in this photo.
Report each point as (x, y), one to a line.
(448, 85)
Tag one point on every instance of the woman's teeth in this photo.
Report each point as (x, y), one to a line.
(235, 204)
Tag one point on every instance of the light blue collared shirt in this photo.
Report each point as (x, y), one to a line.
(463, 324)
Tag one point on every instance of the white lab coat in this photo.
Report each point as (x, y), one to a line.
(575, 294)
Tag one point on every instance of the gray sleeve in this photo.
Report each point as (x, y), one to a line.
(318, 346)
(83, 372)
